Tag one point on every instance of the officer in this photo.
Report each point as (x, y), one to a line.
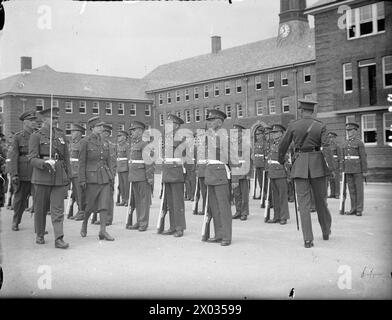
(141, 176)
(77, 132)
(354, 166)
(20, 168)
(310, 169)
(259, 159)
(49, 157)
(334, 181)
(122, 166)
(217, 180)
(173, 178)
(267, 146)
(278, 174)
(96, 176)
(241, 181)
(200, 141)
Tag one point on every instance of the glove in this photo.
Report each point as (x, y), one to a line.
(235, 185)
(83, 185)
(50, 165)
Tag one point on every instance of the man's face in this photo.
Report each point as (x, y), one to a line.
(121, 138)
(105, 134)
(76, 134)
(31, 124)
(47, 121)
(137, 133)
(98, 129)
(215, 124)
(351, 133)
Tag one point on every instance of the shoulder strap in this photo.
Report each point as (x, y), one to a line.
(306, 134)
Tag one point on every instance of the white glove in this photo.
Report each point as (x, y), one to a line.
(51, 163)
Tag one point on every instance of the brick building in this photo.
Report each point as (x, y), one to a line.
(353, 42)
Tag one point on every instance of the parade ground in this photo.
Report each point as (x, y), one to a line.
(264, 261)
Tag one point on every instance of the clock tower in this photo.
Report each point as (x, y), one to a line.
(293, 23)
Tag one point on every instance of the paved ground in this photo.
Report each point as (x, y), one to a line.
(264, 261)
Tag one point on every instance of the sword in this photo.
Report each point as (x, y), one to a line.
(205, 230)
(295, 204)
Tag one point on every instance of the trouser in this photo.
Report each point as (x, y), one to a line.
(355, 188)
(201, 190)
(290, 189)
(78, 194)
(142, 194)
(318, 186)
(241, 197)
(280, 198)
(111, 205)
(220, 208)
(334, 184)
(49, 198)
(21, 200)
(123, 185)
(174, 194)
(259, 178)
(97, 200)
(190, 184)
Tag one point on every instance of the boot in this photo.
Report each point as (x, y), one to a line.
(83, 231)
(94, 219)
(103, 235)
(61, 244)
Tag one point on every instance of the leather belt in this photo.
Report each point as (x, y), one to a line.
(172, 160)
(259, 155)
(7, 160)
(351, 157)
(136, 161)
(335, 156)
(220, 162)
(310, 149)
(73, 159)
(203, 161)
(122, 159)
(273, 162)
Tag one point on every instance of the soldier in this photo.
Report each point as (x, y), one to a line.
(10, 187)
(190, 180)
(310, 169)
(200, 175)
(77, 132)
(141, 176)
(217, 179)
(278, 174)
(354, 166)
(173, 178)
(240, 183)
(20, 168)
(122, 166)
(334, 181)
(267, 146)
(259, 159)
(49, 157)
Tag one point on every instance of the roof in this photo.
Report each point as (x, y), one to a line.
(45, 81)
(252, 57)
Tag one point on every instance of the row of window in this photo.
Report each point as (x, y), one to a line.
(216, 87)
(68, 127)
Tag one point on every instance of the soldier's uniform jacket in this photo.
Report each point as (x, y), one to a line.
(113, 155)
(39, 148)
(354, 156)
(138, 169)
(95, 160)
(335, 153)
(242, 164)
(172, 168)
(122, 156)
(74, 150)
(259, 154)
(8, 160)
(312, 159)
(200, 142)
(274, 168)
(19, 164)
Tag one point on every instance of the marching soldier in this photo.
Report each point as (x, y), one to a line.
(20, 168)
(122, 166)
(51, 174)
(173, 178)
(354, 166)
(334, 180)
(278, 174)
(240, 183)
(77, 131)
(141, 177)
(310, 168)
(96, 176)
(217, 180)
(259, 159)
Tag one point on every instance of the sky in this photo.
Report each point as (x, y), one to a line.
(130, 38)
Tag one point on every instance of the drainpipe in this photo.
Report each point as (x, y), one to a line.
(295, 71)
(246, 95)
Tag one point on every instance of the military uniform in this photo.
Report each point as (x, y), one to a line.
(50, 179)
(190, 180)
(334, 180)
(200, 174)
(259, 161)
(122, 169)
(310, 168)
(354, 166)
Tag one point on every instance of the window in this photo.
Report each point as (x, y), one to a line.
(168, 96)
(387, 71)
(178, 114)
(284, 79)
(84, 125)
(160, 98)
(271, 106)
(186, 94)
(240, 112)
(206, 91)
(205, 113)
(258, 83)
(132, 110)
(108, 108)
(197, 115)
(387, 127)
(161, 119)
(1, 105)
(147, 110)
(285, 104)
(39, 104)
(187, 116)
(196, 93)
(271, 80)
(68, 107)
(82, 107)
(216, 89)
(95, 108)
(67, 129)
(369, 131)
(120, 109)
(238, 85)
(366, 20)
(307, 76)
(228, 111)
(121, 127)
(55, 103)
(227, 87)
(259, 108)
(347, 77)
(178, 97)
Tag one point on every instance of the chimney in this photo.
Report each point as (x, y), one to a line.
(25, 64)
(216, 44)
(291, 10)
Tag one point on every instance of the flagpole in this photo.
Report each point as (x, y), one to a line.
(51, 127)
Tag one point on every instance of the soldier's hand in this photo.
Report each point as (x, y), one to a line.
(83, 185)
(50, 165)
(365, 174)
(235, 185)
(150, 181)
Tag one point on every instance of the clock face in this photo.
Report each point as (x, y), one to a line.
(284, 30)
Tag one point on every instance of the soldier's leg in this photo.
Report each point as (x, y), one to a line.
(214, 211)
(259, 179)
(275, 199)
(237, 200)
(41, 207)
(109, 219)
(126, 188)
(197, 195)
(203, 190)
(179, 206)
(244, 186)
(142, 193)
(283, 199)
(90, 200)
(332, 190)
(303, 189)
(193, 185)
(320, 193)
(352, 190)
(57, 210)
(358, 180)
(170, 205)
(121, 186)
(20, 201)
(222, 194)
(337, 184)
(103, 203)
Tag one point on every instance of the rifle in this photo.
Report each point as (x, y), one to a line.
(116, 193)
(196, 199)
(262, 201)
(9, 194)
(255, 185)
(267, 206)
(162, 213)
(295, 204)
(130, 210)
(69, 206)
(205, 230)
(343, 194)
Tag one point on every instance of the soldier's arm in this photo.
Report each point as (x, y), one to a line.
(150, 168)
(363, 155)
(14, 156)
(34, 152)
(325, 148)
(82, 161)
(284, 144)
(66, 158)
